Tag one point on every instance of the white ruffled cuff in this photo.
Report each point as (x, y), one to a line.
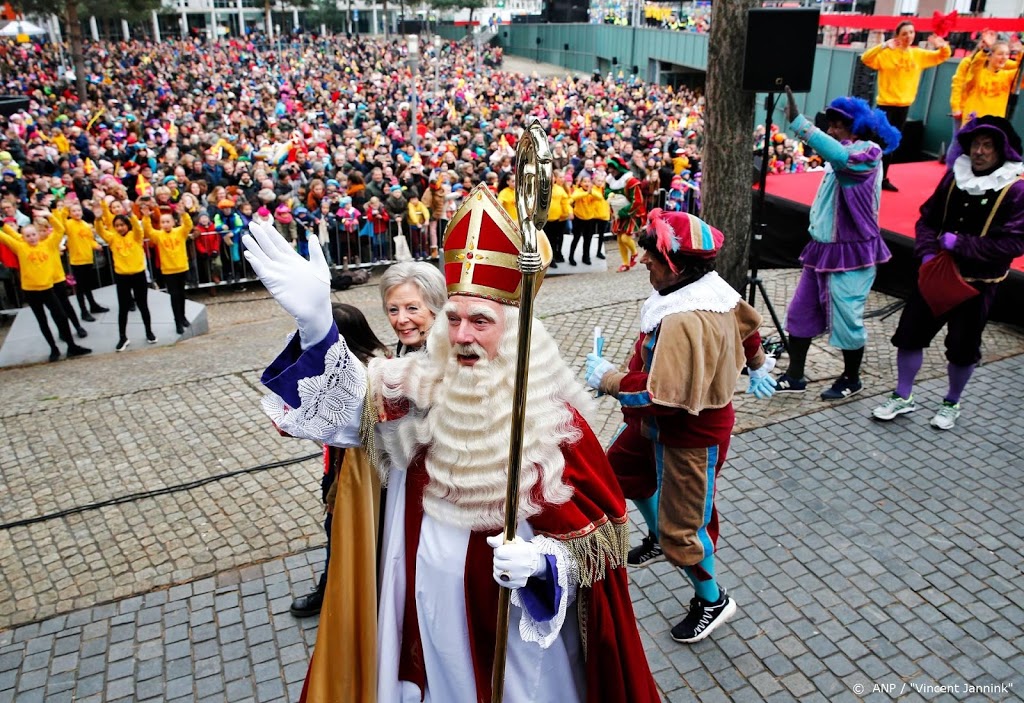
(566, 570)
(331, 404)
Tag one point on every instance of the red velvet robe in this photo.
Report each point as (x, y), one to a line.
(616, 666)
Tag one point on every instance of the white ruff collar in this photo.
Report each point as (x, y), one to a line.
(620, 182)
(976, 185)
(709, 293)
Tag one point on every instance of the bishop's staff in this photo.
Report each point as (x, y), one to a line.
(533, 196)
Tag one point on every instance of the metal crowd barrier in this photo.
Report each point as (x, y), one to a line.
(350, 249)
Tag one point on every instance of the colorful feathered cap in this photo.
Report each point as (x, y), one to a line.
(481, 251)
(864, 121)
(616, 163)
(678, 234)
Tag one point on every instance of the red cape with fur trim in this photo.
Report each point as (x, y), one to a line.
(616, 666)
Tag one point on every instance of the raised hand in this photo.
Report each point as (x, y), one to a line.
(301, 287)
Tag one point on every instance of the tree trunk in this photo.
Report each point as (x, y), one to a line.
(469, 24)
(268, 19)
(77, 55)
(726, 194)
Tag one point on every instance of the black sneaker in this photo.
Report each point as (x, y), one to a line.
(842, 388)
(178, 328)
(888, 186)
(54, 355)
(703, 618)
(82, 334)
(98, 309)
(151, 338)
(649, 552)
(122, 345)
(77, 351)
(787, 384)
(86, 317)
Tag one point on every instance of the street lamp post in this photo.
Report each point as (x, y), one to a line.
(413, 43)
(437, 65)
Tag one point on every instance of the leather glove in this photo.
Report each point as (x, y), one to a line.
(597, 367)
(301, 287)
(947, 241)
(926, 258)
(518, 560)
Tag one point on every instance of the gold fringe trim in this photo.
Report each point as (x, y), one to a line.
(597, 548)
(368, 433)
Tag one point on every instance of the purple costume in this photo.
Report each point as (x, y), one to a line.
(846, 245)
(962, 204)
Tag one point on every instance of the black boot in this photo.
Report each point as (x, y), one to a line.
(308, 605)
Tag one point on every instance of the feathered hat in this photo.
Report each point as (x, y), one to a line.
(679, 234)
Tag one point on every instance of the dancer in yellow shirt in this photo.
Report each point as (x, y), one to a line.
(559, 214)
(588, 206)
(52, 233)
(124, 236)
(35, 259)
(983, 81)
(81, 247)
(899, 65)
(170, 243)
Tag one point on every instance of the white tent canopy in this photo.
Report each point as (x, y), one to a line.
(16, 27)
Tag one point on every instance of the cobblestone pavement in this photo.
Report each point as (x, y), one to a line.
(885, 561)
(892, 564)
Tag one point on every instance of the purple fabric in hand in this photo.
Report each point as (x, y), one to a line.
(926, 258)
(947, 241)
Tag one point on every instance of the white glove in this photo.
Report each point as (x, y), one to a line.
(766, 368)
(515, 562)
(302, 288)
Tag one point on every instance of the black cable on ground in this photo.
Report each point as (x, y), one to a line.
(158, 492)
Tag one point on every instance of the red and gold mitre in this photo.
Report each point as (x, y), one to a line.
(481, 251)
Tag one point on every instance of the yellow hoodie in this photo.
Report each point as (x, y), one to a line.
(171, 245)
(899, 70)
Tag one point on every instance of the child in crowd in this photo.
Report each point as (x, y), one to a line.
(207, 249)
(377, 219)
(348, 218)
(419, 216)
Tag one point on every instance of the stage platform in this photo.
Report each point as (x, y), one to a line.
(788, 201)
(24, 343)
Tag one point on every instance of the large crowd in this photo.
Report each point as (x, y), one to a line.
(317, 135)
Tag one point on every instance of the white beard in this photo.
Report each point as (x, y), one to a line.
(462, 415)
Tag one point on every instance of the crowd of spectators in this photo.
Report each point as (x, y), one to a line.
(317, 135)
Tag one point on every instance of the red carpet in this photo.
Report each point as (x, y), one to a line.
(899, 211)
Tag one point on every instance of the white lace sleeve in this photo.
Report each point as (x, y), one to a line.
(545, 633)
(331, 404)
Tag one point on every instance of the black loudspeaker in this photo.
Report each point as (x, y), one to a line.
(568, 11)
(780, 49)
(11, 104)
(863, 84)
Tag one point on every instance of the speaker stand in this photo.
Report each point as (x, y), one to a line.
(753, 282)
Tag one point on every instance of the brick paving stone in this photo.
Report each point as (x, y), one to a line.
(837, 538)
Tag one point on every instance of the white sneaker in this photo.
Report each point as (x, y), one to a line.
(894, 406)
(946, 417)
